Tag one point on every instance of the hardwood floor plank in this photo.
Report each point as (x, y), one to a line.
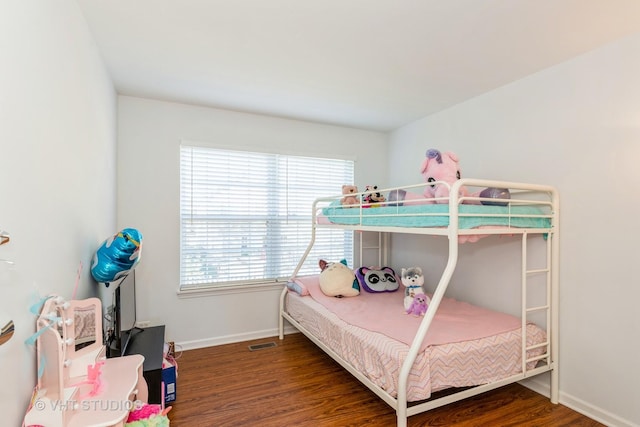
(296, 384)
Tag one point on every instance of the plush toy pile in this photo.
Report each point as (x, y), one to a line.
(412, 279)
(338, 280)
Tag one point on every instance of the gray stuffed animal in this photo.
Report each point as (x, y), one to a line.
(413, 281)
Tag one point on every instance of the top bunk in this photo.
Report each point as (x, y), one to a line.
(467, 209)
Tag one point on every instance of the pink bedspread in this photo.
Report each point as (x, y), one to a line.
(384, 313)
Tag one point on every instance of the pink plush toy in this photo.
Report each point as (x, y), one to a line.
(418, 306)
(439, 166)
(444, 167)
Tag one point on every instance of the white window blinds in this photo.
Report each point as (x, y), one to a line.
(246, 217)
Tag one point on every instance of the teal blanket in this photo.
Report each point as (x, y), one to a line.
(437, 215)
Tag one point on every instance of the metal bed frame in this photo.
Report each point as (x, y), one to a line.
(543, 196)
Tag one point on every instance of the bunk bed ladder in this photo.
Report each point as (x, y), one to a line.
(381, 246)
(545, 307)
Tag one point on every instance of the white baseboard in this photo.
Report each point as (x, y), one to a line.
(579, 405)
(230, 339)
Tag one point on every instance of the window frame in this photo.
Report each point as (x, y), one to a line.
(251, 285)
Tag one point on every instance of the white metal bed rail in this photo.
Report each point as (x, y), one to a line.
(438, 295)
(452, 232)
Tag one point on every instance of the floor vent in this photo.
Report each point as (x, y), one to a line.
(255, 347)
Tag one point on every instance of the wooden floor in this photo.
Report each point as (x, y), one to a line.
(296, 384)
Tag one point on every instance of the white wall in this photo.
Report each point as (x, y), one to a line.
(149, 136)
(57, 171)
(575, 126)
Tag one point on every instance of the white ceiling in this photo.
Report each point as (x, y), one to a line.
(371, 64)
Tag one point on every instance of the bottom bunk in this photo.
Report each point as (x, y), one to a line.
(371, 335)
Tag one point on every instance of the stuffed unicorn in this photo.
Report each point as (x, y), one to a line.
(439, 167)
(444, 167)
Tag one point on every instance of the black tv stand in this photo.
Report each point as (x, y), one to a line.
(127, 337)
(148, 342)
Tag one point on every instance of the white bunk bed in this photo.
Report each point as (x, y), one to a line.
(531, 213)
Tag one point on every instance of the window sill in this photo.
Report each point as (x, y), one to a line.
(204, 291)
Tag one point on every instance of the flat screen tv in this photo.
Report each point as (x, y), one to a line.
(124, 315)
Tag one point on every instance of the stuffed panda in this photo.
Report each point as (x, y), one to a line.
(377, 279)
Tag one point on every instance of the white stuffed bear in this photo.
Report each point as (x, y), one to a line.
(338, 280)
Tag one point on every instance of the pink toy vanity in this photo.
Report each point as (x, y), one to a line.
(77, 384)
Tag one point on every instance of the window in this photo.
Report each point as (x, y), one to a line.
(245, 218)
